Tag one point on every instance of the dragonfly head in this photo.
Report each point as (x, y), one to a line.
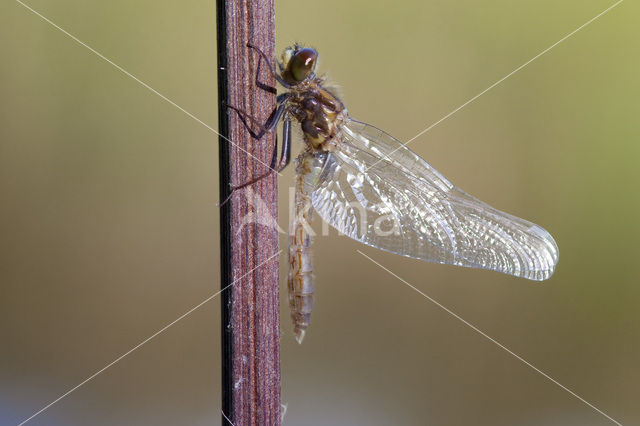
(298, 64)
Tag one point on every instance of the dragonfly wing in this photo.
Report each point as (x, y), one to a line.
(376, 191)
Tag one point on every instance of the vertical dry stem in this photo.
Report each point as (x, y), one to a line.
(250, 308)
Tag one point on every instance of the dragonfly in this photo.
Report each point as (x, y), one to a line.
(372, 188)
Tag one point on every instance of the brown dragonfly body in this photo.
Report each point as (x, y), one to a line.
(375, 190)
(320, 114)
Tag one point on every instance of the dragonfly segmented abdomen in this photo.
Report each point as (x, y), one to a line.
(300, 268)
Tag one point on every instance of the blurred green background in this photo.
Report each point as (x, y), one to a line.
(109, 229)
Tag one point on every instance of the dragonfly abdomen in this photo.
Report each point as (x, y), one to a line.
(300, 268)
(300, 289)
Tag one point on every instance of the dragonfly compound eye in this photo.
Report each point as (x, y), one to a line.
(303, 63)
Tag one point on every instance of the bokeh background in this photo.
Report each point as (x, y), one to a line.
(109, 229)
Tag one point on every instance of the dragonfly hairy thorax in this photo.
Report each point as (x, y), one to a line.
(375, 190)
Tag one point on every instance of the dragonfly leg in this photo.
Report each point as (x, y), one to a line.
(285, 156)
(272, 67)
(263, 86)
(285, 159)
(268, 125)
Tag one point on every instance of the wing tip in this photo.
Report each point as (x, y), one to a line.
(548, 254)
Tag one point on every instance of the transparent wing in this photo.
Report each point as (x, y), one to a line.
(378, 192)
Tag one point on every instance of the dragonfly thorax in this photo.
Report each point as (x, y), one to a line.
(320, 114)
